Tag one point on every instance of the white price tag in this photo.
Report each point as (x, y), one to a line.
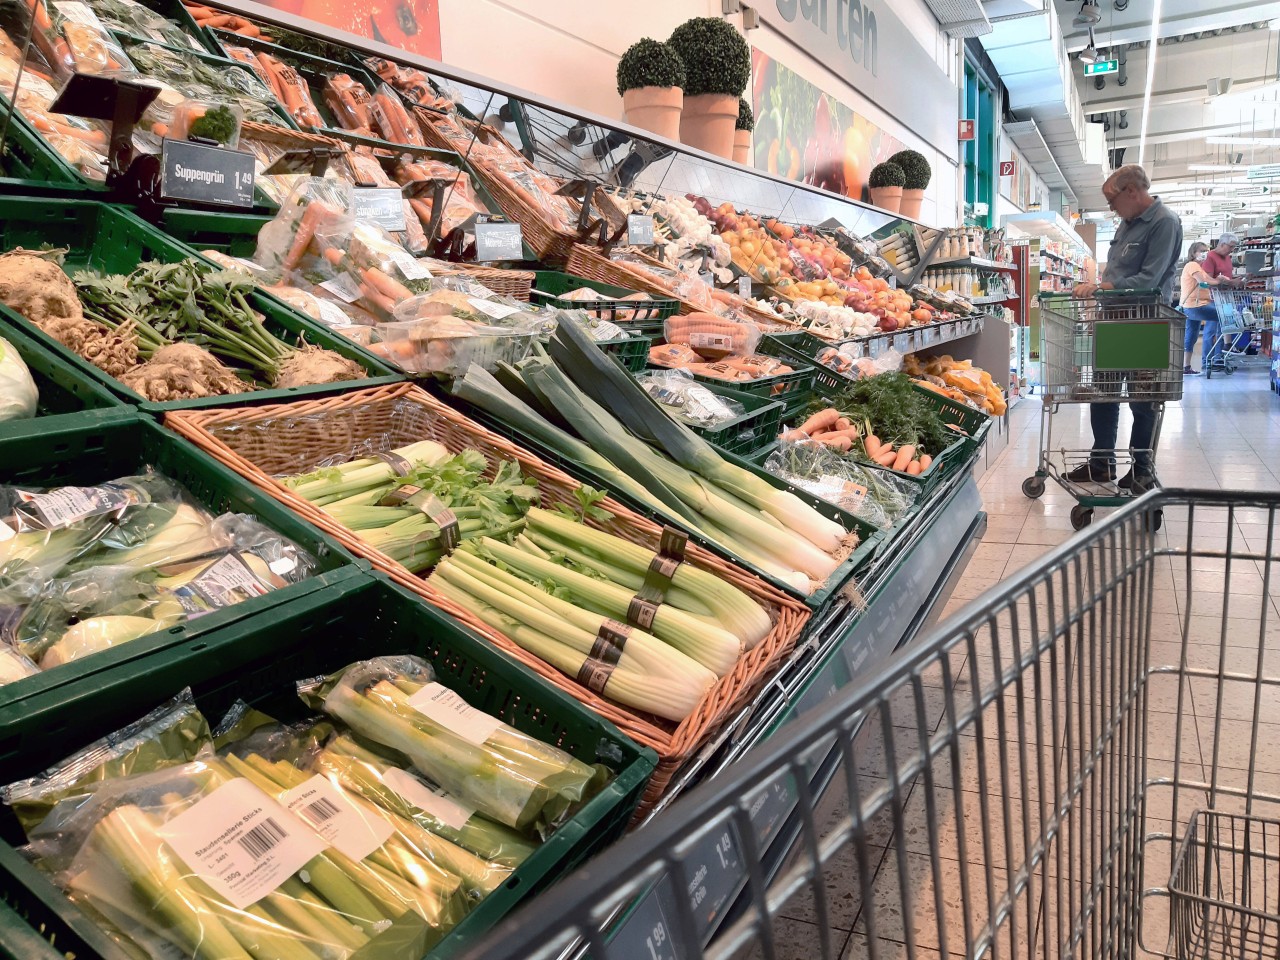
(283, 566)
(494, 309)
(440, 704)
(332, 316)
(355, 832)
(241, 842)
(344, 288)
(744, 287)
(409, 267)
(437, 803)
(68, 505)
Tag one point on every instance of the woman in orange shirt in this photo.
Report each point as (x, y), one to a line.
(1196, 304)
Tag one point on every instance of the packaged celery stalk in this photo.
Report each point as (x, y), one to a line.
(201, 861)
(174, 733)
(507, 775)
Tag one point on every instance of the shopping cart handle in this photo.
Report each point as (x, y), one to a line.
(1116, 294)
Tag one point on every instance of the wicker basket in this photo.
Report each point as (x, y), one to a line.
(507, 283)
(587, 262)
(287, 139)
(261, 443)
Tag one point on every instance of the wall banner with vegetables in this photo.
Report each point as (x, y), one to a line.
(805, 134)
(412, 25)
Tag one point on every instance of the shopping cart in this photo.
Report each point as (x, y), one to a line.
(1242, 317)
(1063, 769)
(1121, 345)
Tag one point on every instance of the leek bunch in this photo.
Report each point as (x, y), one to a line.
(579, 396)
(508, 776)
(355, 494)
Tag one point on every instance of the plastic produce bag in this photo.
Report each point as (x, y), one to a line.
(73, 40)
(689, 401)
(868, 492)
(207, 862)
(505, 774)
(316, 203)
(711, 336)
(18, 393)
(172, 734)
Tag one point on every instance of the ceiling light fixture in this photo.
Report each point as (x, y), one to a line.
(1090, 13)
(1090, 53)
(1244, 141)
(1151, 78)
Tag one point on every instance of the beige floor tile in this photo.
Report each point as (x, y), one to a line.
(795, 939)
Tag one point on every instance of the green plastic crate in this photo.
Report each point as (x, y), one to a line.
(549, 287)
(28, 157)
(803, 347)
(632, 352)
(235, 234)
(109, 238)
(786, 388)
(88, 454)
(749, 432)
(259, 660)
(67, 397)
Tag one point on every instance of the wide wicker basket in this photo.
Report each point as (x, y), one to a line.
(550, 239)
(265, 442)
(507, 283)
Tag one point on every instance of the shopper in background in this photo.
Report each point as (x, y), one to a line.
(1144, 256)
(1195, 302)
(1218, 263)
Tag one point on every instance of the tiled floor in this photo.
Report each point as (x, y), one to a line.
(984, 820)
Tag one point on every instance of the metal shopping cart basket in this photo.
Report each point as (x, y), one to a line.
(1242, 317)
(1120, 345)
(1060, 770)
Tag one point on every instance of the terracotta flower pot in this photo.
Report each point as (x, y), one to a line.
(708, 123)
(911, 200)
(887, 198)
(742, 147)
(656, 109)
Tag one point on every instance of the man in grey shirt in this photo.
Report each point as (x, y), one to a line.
(1144, 256)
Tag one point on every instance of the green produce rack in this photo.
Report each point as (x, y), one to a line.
(550, 286)
(803, 347)
(29, 159)
(632, 352)
(794, 390)
(68, 398)
(749, 432)
(109, 238)
(259, 660)
(235, 234)
(33, 709)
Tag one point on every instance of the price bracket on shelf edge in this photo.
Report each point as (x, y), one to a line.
(639, 229)
(499, 240)
(381, 205)
(206, 174)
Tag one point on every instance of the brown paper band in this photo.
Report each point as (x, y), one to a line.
(396, 462)
(409, 495)
(605, 653)
(643, 607)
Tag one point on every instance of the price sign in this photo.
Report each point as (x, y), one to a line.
(771, 807)
(205, 174)
(744, 287)
(715, 872)
(646, 933)
(381, 205)
(708, 278)
(498, 240)
(639, 229)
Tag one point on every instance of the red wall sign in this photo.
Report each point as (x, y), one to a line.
(1008, 168)
(966, 130)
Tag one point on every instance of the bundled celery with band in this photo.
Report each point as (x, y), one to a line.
(297, 842)
(560, 589)
(83, 569)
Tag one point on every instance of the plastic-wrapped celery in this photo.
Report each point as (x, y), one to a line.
(507, 775)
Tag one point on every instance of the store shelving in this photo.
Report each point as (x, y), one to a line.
(977, 262)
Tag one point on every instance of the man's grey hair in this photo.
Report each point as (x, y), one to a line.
(1130, 175)
(1228, 238)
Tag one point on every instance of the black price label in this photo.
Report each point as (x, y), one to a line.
(381, 205)
(715, 873)
(639, 229)
(499, 240)
(771, 807)
(205, 174)
(646, 934)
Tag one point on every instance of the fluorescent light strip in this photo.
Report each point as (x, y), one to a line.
(1243, 141)
(1215, 167)
(1152, 47)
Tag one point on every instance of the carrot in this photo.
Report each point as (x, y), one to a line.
(843, 423)
(384, 303)
(220, 20)
(887, 457)
(872, 445)
(302, 239)
(333, 255)
(836, 441)
(822, 420)
(906, 453)
(914, 468)
(385, 285)
(160, 129)
(793, 435)
(925, 462)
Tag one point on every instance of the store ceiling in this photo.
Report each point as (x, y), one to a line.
(1214, 61)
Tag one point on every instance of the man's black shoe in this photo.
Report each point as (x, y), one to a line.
(1090, 473)
(1138, 484)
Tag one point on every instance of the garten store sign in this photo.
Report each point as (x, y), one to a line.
(868, 47)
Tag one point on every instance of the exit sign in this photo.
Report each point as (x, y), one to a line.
(1102, 66)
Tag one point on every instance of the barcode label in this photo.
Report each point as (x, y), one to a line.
(320, 811)
(355, 829)
(437, 702)
(262, 839)
(241, 842)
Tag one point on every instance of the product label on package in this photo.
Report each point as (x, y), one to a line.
(332, 316)
(355, 832)
(241, 842)
(69, 505)
(837, 490)
(409, 267)
(344, 288)
(80, 13)
(381, 205)
(435, 802)
(438, 703)
(6, 532)
(494, 309)
(226, 581)
(714, 341)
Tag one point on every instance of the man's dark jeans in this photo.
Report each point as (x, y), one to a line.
(1105, 418)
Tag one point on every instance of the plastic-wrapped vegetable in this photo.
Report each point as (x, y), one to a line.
(507, 775)
(870, 493)
(18, 393)
(687, 400)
